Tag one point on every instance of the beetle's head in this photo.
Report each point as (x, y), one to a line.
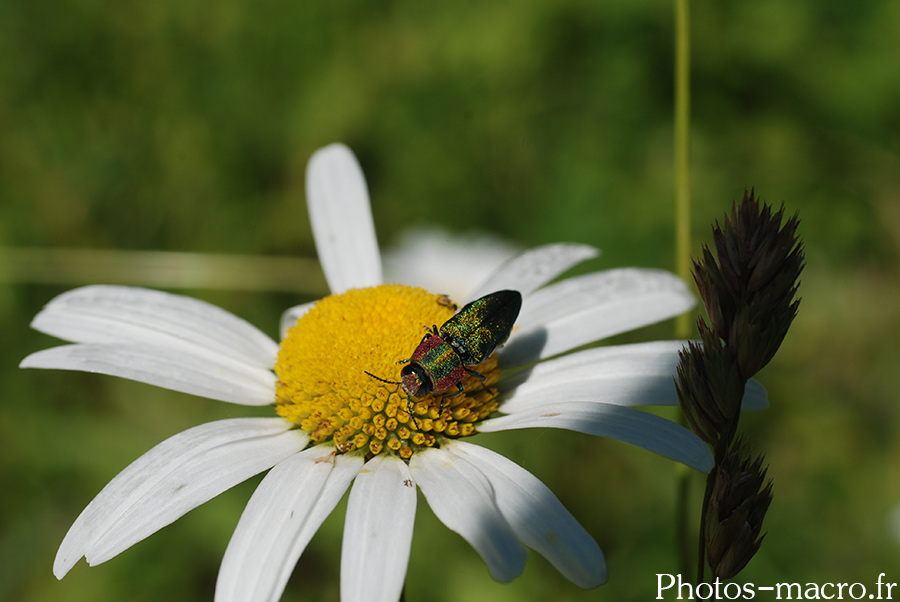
(415, 380)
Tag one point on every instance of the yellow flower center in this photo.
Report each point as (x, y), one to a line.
(323, 386)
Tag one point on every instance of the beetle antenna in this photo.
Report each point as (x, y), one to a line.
(408, 399)
(390, 382)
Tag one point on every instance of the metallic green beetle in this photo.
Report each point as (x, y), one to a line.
(442, 359)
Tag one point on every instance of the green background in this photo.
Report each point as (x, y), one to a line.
(186, 126)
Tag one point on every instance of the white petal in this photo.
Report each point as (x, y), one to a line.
(462, 498)
(628, 375)
(281, 517)
(341, 219)
(641, 374)
(584, 309)
(648, 358)
(290, 316)
(643, 429)
(534, 268)
(123, 314)
(755, 396)
(221, 378)
(631, 392)
(378, 531)
(450, 264)
(538, 518)
(174, 477)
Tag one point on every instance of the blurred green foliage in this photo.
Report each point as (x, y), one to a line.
(186, 126)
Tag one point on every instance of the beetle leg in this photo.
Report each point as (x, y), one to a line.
(409, 408)
(484, 387)
(432, 332)
(459, 390)
(475, 374)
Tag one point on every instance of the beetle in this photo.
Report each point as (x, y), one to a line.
(442, 358)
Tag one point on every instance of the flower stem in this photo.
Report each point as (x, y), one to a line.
(682, 147)
(682, 227)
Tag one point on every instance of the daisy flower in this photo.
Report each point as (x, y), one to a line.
(335, 428)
